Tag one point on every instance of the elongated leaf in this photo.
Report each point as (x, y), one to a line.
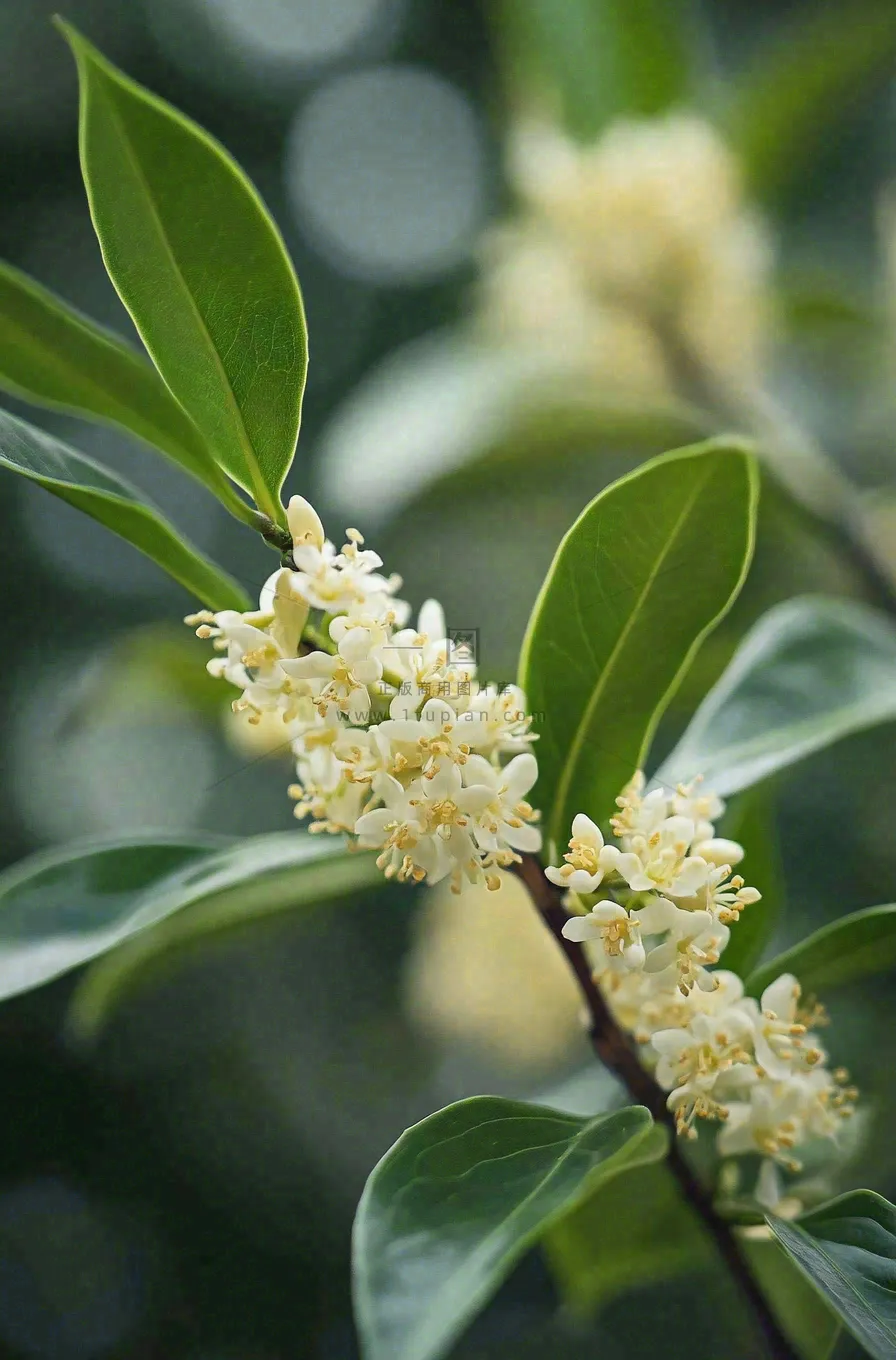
(51, 354)
(457, 1201)
(799, 92)
(631, 594)
(201, 268)
(847, 1248)
(61, 909)
(752, 822)
(855, 947)
(809, 673)
(243, 882)
(112, 501)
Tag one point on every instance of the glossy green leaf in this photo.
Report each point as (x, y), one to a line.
(597, 59)
(636, 1229)
(52, 355)
(112, 501)
(633, 1228)
(847, 1248)
(806, 1319)
(797, 95)
(243, 882)
(810, 672)
(457, 1201)
(60, 909)
(849, 949)
(632, 592)
(202, 269)
(751, 820)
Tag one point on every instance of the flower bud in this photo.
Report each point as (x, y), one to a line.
(304, 523)
(719, 851)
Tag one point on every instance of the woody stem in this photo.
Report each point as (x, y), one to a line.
(616, 1051)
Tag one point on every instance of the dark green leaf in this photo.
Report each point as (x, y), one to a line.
(202, 269)
(60, 909)
(112, 501)
(849, 949)
(810, 672)
(637, 1230)
(633, 1229)
(797, 96)
(751, 820)
(51, 354)
(456, 1202)
(632, 592)
(847, 1248)
(245, 881)
(806, 1319)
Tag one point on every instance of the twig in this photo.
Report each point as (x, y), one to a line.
(617, 1051)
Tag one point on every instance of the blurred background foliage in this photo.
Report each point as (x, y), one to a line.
(517, 289)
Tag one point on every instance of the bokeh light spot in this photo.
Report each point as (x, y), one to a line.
(386, 169)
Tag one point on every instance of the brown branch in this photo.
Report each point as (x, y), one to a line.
(617, 1051)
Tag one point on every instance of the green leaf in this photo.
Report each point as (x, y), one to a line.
(52, 355)
(798, 95)
(202, 269)
(810, 672)
(632, 592)
(633, 1228)
(751, 820)
(636, 1229)
(243, 882)
(112, 501)
(599, 59)
(60, 909)
(806, 1319)
(457, 1201)
(849, 949)
(847, 1248)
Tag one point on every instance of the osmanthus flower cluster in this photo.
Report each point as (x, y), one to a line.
(657, 907)
(397, 744)
(647, 225)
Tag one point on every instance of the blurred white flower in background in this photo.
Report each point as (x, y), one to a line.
(483, 972)
(640, 236)
(633, 270)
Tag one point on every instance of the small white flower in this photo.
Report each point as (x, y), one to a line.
(400, 831)
(505, 821)
(780, 1041)
(586, 861)
(692, 1061)
(704, 808)
(336, 581)
(618, 933)
(437, 734)
(770, 1121)
(347, 675)
(660, 862)
(693, 943)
